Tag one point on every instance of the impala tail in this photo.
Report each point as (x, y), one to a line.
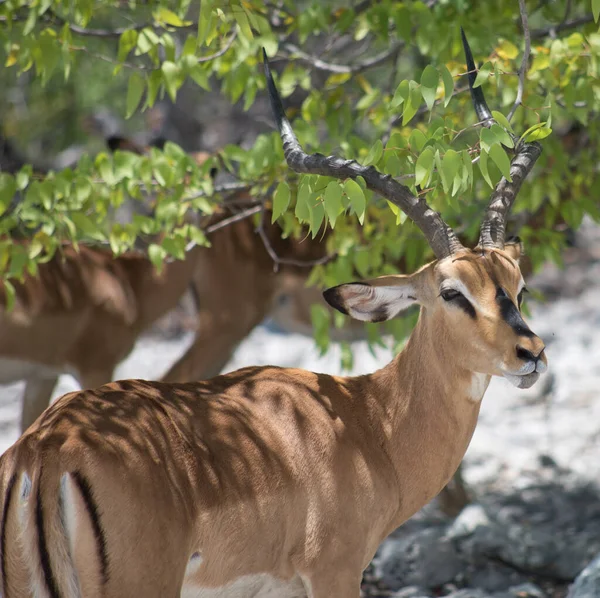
(42, 527)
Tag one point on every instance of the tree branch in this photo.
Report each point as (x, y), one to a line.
(329, 67)
(284, 261)
(552, 30)
(524, 62)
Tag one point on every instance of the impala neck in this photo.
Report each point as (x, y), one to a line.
(426, 406)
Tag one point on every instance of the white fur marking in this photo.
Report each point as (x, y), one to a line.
(456, 284)
(370, 300)
(479, 384)
(193, 564)
(257, 586)
(68, 509)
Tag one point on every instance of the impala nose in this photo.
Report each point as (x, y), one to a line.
(527, 355)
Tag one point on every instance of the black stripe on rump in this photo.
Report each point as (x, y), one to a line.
(7, 500)
(43, 546)
(92, 509)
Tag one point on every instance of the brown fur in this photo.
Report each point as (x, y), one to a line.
(264, 470)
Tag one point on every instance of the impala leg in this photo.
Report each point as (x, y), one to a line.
(36, 398)
(96, 378)
(455, 496)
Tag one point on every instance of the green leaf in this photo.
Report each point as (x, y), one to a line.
(507, 50)
(487, 138)
(424, 167)
(483, 166)
(317, 214)
(333, 201)
(171, 73)
(135, 89)
(448, 84)
(281, 200)
(169, 17)
(483, 74)
(242, 20)
(411, 107)
(204, 20)
(200, 76)
(154, 83)
(502, 120)
(303, 207)
(157, 254)
(357, 198)
(498, 155)
(374, 154)
(9, 293)
(147, 40)
(450, 165)
(538, 133)
(596, 9)
(8, 188)
(429, 82)
(321, 318)
(401, 94)
(86, 225)
(502, 136)
(467, 169)
(127, 42)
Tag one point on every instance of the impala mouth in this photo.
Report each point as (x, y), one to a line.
(523, 380)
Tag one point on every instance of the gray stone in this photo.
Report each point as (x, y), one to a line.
(425, 558)
(469, 593)
(492, 577)
(524, 590)
(587, 584)
(468, 521)
(411, 592)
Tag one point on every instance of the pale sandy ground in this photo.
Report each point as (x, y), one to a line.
(560, 416)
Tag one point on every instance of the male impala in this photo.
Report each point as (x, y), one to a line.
(271, 482)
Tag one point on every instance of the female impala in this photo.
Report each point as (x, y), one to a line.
(271, 482)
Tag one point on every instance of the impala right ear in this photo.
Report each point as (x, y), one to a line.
(375, 301)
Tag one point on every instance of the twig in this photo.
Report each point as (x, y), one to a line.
(222, 51)
(232, 219)
(524, 62)
(552, 30)
(284, 261)
(329, 67)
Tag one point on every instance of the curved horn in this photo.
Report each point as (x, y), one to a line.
(439, 235)
(493, 227)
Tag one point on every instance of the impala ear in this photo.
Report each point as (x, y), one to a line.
(514, 248)
(373, 301)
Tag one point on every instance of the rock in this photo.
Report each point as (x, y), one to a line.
(468, 521)
(468, 593)
(492, 577)
(525, 590)
(587, 584)
(425, 558)
(411, 592)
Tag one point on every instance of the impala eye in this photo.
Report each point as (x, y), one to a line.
(450, 294)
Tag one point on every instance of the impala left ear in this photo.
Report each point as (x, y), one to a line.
(373, 301)
(514, 248)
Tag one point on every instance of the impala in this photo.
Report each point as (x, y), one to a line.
(84, 311)
(270, 482)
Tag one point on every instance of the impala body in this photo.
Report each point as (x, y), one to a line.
(270, 482)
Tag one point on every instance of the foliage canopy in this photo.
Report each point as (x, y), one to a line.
(381, 82)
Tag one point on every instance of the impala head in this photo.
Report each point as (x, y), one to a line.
(470, 298)
(470, 307)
